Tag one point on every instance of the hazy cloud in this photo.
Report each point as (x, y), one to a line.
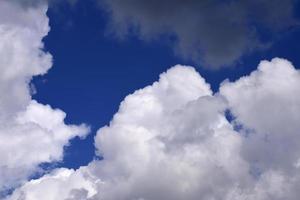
(36, 3)
(211, 32)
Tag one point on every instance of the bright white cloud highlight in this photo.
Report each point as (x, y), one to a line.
(30, 133)
(60, 184)
(267, 105)
(172, 141)
(167, 140)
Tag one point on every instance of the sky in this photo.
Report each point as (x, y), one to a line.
(99, 102)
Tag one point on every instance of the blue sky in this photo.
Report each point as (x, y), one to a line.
(93, 71)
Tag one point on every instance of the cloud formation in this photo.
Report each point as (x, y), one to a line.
(61, 184)
(37, 3)
(266, 104)
(210, 32)
(30, 133)
(173, 140)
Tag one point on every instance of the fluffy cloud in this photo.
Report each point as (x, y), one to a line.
(172, 140)
(211, 32)
(60, 184)
(267, 104)
(34, 136)
(30, 133)
(174, 132)
(167, 141)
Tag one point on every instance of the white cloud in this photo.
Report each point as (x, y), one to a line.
(166, 142)
(30, 133)
(267, 105)
(36, 135)
(171, 140)
(60, 184)
(21, 32)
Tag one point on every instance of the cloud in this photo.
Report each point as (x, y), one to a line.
(267, 104)
(148, 153)
(30, 133)
(169, 140)
(212, 33)
(37, 3)
(175, 136)
(60, 184)
(172, 140)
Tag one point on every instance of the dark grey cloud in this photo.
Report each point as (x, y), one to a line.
(213, 33)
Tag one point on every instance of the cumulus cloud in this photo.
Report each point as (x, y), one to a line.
(267, 105)
(30, 133)
(176, 137)
(210, 32)
(60, 184)
(172, 140)
(157, 148)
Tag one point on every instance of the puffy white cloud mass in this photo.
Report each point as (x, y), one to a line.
(30, 133)
(60, 184)
(172, 141)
